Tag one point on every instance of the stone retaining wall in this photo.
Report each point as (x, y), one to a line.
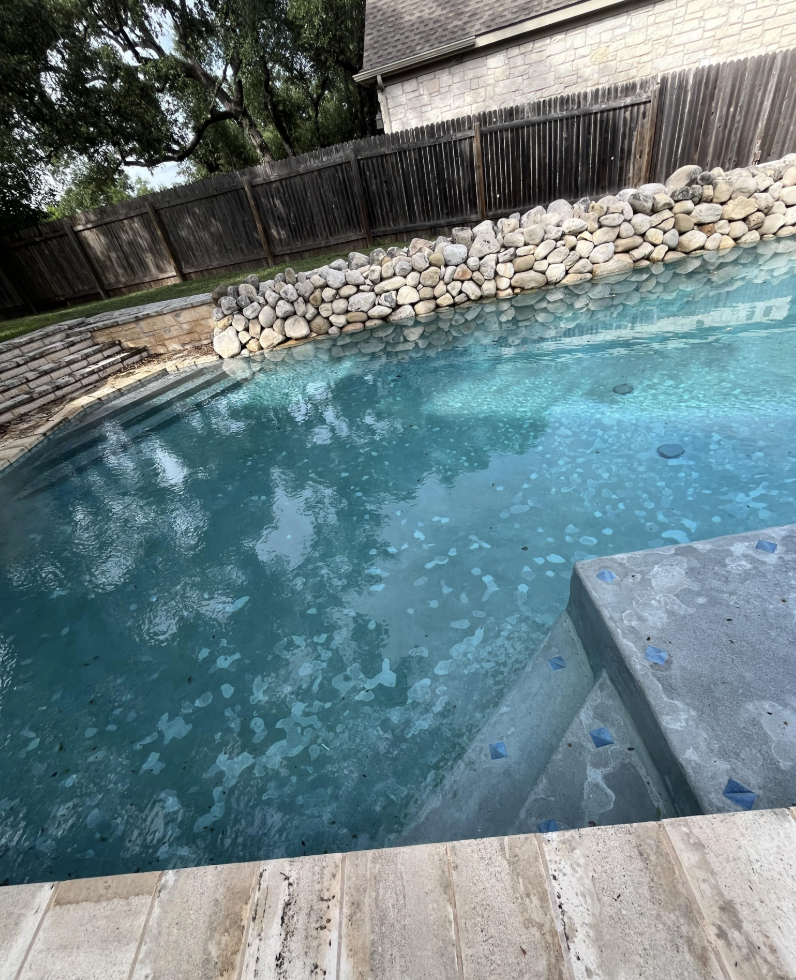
(163, 328)
(568, 244)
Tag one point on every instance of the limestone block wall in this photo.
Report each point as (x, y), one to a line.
(632, 43)
(161, 331)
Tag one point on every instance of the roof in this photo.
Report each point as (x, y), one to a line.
(399, 29)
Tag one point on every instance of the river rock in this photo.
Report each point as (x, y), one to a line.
(738, 208)
(564, 208)
(403, 313)
(226, 344)
(361, 302)
(641, 202)
(533, 234)
(526, 280)
(661, 202)
(616, 264)
(704, 214)
(683, 177)
(482, 247)
(408, 295)
(772, 224)
(335, 278)
(296, 327)
(602, 253)
(691, 241)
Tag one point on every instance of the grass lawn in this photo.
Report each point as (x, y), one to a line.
(13, 328)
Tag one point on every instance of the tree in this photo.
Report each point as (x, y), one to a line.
(90, 184)
(61, 94)
(214, 85)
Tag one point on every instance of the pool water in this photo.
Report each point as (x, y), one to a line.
(271, 626)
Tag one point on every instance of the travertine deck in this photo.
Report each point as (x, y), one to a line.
(697, 897)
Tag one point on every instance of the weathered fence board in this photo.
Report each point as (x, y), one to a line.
(430, 178)
(726, 115)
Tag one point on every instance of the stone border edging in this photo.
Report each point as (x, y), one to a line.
(695, 212)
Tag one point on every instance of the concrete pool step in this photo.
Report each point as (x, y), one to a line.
(552, 769)
(484, 796)
(694, 898)
(587, 785)
(718, 716)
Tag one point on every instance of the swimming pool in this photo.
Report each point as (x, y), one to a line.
(273, 621)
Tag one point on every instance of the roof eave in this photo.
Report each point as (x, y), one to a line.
(533, 25)
(369, 75)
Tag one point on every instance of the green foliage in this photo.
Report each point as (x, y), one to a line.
(214, 85)
(91, 183)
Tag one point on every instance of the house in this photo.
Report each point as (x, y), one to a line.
(436, 61)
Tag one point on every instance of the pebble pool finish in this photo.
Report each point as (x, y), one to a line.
(272, 626)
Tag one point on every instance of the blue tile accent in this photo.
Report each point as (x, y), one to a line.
(556, 663)
(601, 737)
(768, 546)
(548, 827)
(671, 450)
(739, 795)
(656, 655)
(497, 750)
(605, 575)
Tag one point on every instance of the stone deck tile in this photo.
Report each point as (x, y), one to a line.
(504, 911)
(92, 929)
(398, 916)
(625, 909)
(743, 874)
(692, 899)
(295, 920)
(197, 925)
(21, 912)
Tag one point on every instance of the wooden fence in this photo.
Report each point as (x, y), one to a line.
(421, 180)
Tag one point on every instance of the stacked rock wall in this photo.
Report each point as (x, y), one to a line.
(695, 212)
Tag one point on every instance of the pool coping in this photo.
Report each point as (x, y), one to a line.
(705, 897)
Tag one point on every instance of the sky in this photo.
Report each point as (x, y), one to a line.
(162, 176)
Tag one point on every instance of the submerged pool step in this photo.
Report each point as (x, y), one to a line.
(597, 781)
(485, 795)
(137, 413)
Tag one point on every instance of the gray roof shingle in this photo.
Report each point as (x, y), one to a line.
(398, 29)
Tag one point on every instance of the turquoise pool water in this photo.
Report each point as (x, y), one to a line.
(272, 625)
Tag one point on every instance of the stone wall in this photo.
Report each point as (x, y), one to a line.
(632, 43)
(162, 328)
(694, 213)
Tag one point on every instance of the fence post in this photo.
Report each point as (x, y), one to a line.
(83, 252)
(360, 195)
(164, 241)
(480, 183)
(247, 187)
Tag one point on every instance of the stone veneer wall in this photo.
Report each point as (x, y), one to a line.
(162, 328)
(633, 43)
